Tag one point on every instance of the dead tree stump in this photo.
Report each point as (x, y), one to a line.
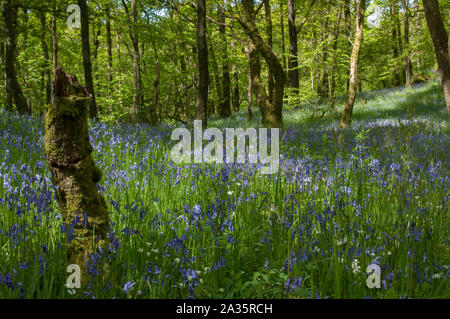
(73, 170)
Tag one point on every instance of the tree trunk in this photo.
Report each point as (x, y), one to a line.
(324, 86)
(95, 38)
(335, 57)
(408, 64)
(271, 112)
(440, 42)
(293, 55)
(86, 50)
(235, 98)
(25, 46)
(10, 18)
(252, 59)
(8, 98)
(225, 103)
(109, 48)
(395, 47)
(154, 107)
(215, 75)
(73, 170)
(354, 63)
(46, 62)
(138, 99)
(201, 104)
(54, 43)
(268, 15)
(348, 34)
(283, 46)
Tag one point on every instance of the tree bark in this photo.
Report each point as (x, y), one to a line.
(268, 16)
(254, 70)
(348, 34)
(73, 170)
(8, 98)
(354, 63)
(54, 43)
(154, 108)
(86, 50)
(283, 46)
(201, 104)
(225, 103)
(10, 18)
(393, 8)
(95, 37)
(109, 48)
(138, 97)
(271, 112)
(293, 55)
(408, 64)
(335, 57)
(235, 97)
(216, 77)
(324, 86)
(440, 42)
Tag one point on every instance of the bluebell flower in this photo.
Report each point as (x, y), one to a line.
(127, 287)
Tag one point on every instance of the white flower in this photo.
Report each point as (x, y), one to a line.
(72, 291)
(342, 242)
(355, 266)
(230, 193)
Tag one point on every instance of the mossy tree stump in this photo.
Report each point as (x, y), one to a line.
(73, 170)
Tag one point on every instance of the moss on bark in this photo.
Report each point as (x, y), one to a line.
(69, 154)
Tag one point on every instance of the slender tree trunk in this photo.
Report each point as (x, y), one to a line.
(109, 48)
(25, 71)
(235, 98)
(293, 55)
(283, 45)
(54, 43)
(46, 62)
(354, 63)
(153, 110)
(268, 15)
(271, 112)
(215, 75)
(136, 110)
(324, 86)
(225, 103)
(254, 71)
(86, 50)
(201, 104)
(408, 64)
(335, 56)
(348, 34)
(395, 48)
(440, 42)
(10, 18)
(8, 98)
(95, 37)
